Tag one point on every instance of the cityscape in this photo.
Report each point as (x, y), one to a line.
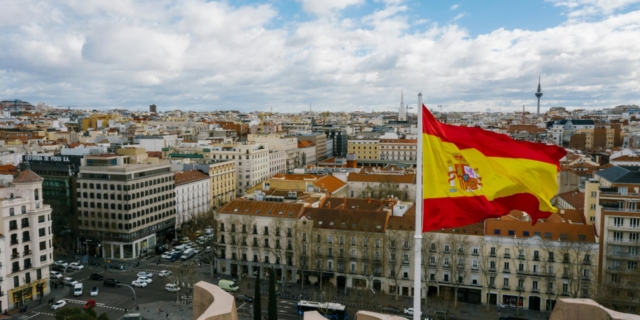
(215, 160)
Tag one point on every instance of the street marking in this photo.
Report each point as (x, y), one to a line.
(43, 313)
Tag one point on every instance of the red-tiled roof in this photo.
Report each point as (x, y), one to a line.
(189, 176)
(329, 182)
(27, 176)
(381, 178)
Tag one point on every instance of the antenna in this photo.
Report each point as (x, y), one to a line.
(523, 119)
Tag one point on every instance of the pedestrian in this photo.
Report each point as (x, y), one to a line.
(167, 315)
(125, 310)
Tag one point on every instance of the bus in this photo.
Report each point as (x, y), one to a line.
(331, 311)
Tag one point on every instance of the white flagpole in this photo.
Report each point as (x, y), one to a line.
(417, 246)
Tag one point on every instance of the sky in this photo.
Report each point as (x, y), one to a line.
(328, 55)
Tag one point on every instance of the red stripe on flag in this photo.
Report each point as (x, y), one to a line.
(443, 213)
(489, 143)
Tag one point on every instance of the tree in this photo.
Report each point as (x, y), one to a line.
(257, 308)
(302, 234)
(488, 264)
(103, 316)
(273, 299)
(398, 246)
(78, 314)
(459, 245)
(429, 248)
(184, 276)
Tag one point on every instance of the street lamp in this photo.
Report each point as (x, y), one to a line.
(134, 294)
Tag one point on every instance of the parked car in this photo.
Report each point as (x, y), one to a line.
(167, 255)
(145, 279)
(207, 249)
(184, 239)
(95, 276)
(390, 309)
(58, 304)
(164, 273)
(138, 283)
(172, 287)
(94, 291)
(76, 266)
(175, 257)
(144, 274)
(111, 283)
(69, 281)
(244, 298)
(55, 275)
(61, 263)
(409, 311)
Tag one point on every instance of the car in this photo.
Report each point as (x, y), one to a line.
(244, 298)
(58, 304)
(55, 274)
(409, 311)
(390, 309)
(185, 239)
(94, 291)
(164, 273)
(95, 276)
(207, 249)
(196, 250)
(175, 257)
(171, 287)
(69, 281)
(76, 266)
(61, 264)
(90, 304)
(166, 255)
(144, 274)
(111, 283)
(145, 279)
(138, 283)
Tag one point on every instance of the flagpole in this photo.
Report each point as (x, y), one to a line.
(417, 246)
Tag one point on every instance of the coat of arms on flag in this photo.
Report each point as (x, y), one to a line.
(468, 178)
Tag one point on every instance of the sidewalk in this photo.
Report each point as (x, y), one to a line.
(170, 311)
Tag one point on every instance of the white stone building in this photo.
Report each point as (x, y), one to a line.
(252, 162)
(277, 162)
(27, 241)
(192, 195)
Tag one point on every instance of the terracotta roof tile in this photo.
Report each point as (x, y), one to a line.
(329, 182)
(551, 231)
(391, 178)
(189, 176)
(349, 220)
(574, 198)
(27, 176)
(263, 208)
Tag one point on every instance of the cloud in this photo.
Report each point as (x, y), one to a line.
(323, 7)
(199, 55)
(454, 7)
(582, 9)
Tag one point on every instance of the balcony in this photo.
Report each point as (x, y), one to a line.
(26, 253)
(13, 227)
(25, 239)
(290, 248)
(521, 257)
(551, 291)
(551, 260)
(13, 270)
(25, 225)
(507, 256)
(565, 293)
(506, 288)
(474, 268)
(565, 276)
(27, 266)
(585, 278)
(536, 258)
(535, 290)
(15, 255)
(405, 261)
(566, 260)
(377, 274)
(506, 271)
(475, 254)
(14, 241)
(461, 266)
(446, 266)
(330, 255)
(492, 269)
(587, 262)
(492, 254)
(520, 288)
(353, 257)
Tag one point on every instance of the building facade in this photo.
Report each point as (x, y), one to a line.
(365, 149)
(192, 195)
(277, 162)
(125, 206)
(27, 241)
(398, 149)
(251, 159)
(222, 174)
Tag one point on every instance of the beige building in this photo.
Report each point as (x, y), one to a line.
(280, 141)
(398, 149)
(124, 204)
(617, 191)
(379, 184)
(222, 175)
(26, 241)
(364, 149)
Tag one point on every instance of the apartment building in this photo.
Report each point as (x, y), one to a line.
(192, 195)
(379, 184)
(365, 149)
(26, 241)
(617, 191)
(157, 142)
(222, 176)
(319, 140)
(398, 149)
(257, 235)
(328, 184)
(277, 162)
(306, 153)
(280, 141)
(125, 203)
(563, 130)
(251, 160)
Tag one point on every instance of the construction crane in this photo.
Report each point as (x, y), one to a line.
(324, 120)
(263, 115)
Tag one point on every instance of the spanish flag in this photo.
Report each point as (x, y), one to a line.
(470, 174)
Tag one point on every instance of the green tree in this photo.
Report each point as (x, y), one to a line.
(257, 309)
(103, 316)
(78, 314)
(273, 299)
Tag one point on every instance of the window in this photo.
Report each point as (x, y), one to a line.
(505, 282)
(330, 239)
(594, 194)
(634, 223)
(617, 236)
(593, 207)
(618, 222)
(39, 274)
(535, 285)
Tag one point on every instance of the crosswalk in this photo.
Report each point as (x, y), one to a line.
(44, 313)
(101, 305)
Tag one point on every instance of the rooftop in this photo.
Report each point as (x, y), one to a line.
(189, 176)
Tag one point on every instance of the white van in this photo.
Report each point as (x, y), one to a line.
(77, 289)
(187, 254)
(180, 248)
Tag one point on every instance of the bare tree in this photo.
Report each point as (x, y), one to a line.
(184, 276)
(302, 235)
(489, 262)
(460, 246)
(429, 254)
